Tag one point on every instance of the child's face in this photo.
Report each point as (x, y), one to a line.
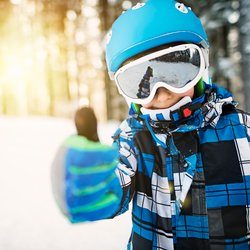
(164, 98)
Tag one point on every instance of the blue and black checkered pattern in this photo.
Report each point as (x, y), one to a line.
(190, 185)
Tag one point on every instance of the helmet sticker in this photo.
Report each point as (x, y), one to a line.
(181, 7)
(138, 6)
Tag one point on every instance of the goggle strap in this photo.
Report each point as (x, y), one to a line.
(135, 107)
(199, 88)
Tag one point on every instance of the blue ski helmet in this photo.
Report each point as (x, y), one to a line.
(151, 24)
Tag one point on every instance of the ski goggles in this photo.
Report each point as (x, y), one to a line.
(176, 68)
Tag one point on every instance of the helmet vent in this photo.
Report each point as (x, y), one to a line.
(181, 7)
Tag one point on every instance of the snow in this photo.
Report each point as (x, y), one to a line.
(29, 217)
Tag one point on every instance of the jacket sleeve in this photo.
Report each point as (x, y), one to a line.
(127, 166)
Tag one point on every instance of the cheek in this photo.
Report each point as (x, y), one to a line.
(189, 93)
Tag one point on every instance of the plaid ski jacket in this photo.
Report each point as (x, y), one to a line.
(188, 178)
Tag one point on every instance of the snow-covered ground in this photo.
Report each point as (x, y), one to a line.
(29, 218)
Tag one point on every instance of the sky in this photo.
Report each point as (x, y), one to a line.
(29, 217)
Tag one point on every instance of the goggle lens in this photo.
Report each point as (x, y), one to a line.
(175, 68)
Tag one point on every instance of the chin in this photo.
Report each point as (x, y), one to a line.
(160, 107)
(164, 106)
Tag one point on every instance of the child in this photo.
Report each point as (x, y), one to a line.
(184, 154)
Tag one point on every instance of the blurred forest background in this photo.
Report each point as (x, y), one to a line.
(52, 54)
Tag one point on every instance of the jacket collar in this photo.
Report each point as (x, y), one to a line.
(202, 111)
(165, 114)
